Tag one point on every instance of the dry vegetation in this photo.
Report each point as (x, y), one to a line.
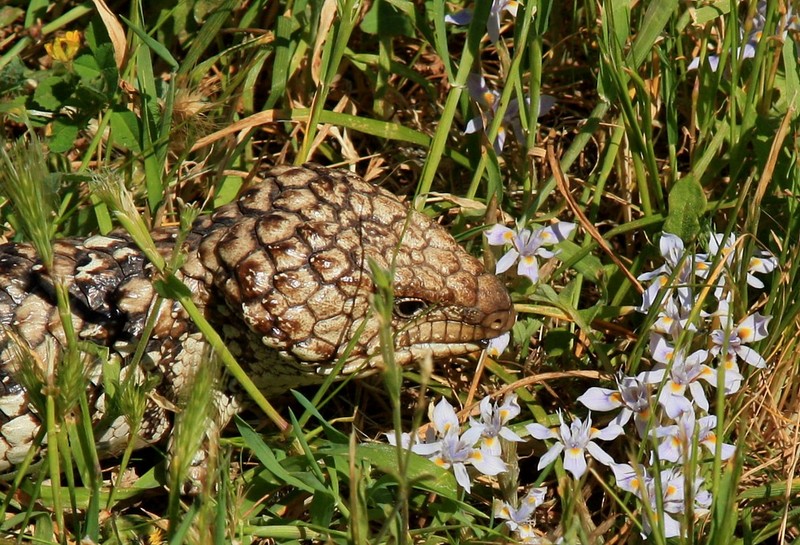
(186, 100)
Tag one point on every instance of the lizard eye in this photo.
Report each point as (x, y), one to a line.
(407, 308)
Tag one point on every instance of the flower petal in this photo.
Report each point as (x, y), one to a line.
(751, 356)
(462, 477)
(505, 262)
(599, 454)
(460, 18)
(612, 431)
(575, 462)
(474, 125)
(493, 27)
(487, 463)
(550, 456)
(509, 435)
(556, 232)
(546, 103)
(529, 267)
(699, 395)
(499, 235)
(601, 399)
(537, 431)
(444, 418)
(498, 345)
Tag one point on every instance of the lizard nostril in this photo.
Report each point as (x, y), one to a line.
(494, 302)
(502, 320)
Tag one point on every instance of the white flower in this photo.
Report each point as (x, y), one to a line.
(630, 479)
(574, 440)
(631, 394)
(528, 536)
(676, 265)
(526, 246)
(457, 450)
(464, 17)
(488, 101)
(673, 319)
(424, 446)
(672, 497)
(679, 373)
(492, 425)
(731, 339)
(673, 484)
(679, 438)
(762, 262)
(731, 251)
(443, 417)
(498, 345)
(522, 515)
(448, 448)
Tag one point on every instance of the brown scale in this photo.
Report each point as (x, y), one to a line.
(281, 273)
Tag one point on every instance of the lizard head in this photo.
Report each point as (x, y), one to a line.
(292, 258)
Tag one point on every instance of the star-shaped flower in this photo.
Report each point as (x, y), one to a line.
(731, 339)
(464, 17)
(574, 441)
(493, 420)
(678, 438)
(679, 373)
(631, 394)
(488, 101)
(526, 246)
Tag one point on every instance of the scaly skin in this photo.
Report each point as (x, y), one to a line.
(282, 274)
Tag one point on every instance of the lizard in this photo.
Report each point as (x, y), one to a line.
(281, 273)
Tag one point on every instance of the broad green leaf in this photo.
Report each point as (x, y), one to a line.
(9, 14)
(82, 495)
(709, 12)
(36, 12)
(86, 67)
(52, 92)
(655, 19)
(421, 471)
(96, 34)
(125, 129)
(98, 71)
(64, 134)
(12, 76)
(104, 57)
(687, 204)
(322, 509)
(792, 74)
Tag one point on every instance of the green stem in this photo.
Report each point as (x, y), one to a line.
(180, 293)
(52, 455)
(468, 56)
(332, 57)
(499, 114)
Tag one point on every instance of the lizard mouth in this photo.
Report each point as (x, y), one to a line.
(407, 355)
(436, 339)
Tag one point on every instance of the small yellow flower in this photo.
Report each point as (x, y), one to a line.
(64, 48)
(155, 537)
